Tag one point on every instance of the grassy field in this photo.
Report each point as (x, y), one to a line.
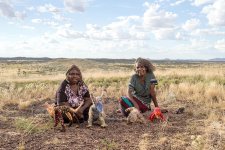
(201, 84)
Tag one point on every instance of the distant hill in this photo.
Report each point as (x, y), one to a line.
(108, 60)
(24, 59)
(217, 59)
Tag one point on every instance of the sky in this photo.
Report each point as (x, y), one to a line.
(155, 29)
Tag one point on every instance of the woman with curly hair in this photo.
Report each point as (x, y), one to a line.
(141, 88)
(74, 93)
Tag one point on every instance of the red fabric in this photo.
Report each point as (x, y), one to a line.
(142, 107)
(124, 104)
(156, 114)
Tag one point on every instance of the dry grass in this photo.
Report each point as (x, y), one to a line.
(202, 84)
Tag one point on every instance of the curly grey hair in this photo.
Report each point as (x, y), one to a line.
(146, 63)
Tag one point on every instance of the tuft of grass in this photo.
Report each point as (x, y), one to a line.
(107, 82)
(24, 105)
(215, 135)
(30, 126)
(54, 141)
(108, 144)
(144, 143)
(26, 125)
(197, 142)
(3, 118)
(21, 145)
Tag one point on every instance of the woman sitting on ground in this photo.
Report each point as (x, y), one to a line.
(141, 88)
(73, 92)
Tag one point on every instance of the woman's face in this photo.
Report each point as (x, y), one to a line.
(74, 76)
(140, 69)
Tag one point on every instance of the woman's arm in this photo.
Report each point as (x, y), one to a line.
(87, 103)
(153, 94)
(82, 107)
(60, 97)
(130, 90)
(130, 96)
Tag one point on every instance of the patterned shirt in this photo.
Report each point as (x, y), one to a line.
(66, 94)
(76, 99)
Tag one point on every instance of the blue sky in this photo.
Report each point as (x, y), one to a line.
(155, 29)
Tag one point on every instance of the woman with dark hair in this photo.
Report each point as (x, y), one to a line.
(141, 88)
(73, 92)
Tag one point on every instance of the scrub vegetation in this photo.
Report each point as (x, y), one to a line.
(199, 87)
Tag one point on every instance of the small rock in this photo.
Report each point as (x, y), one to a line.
(180, 110)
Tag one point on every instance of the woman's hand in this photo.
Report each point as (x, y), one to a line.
(86, 103)
(134, 102)
(79, 113)
(79, 110)
(130, 96)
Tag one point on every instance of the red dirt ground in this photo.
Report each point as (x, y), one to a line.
(175, 133)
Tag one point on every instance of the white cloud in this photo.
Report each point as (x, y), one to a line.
(51, 45)
(42, 46)
(59, 17)
(208, 32)
(20, 15)
(76, 5)
(181, 36)
(193, 49)
(161, 23)
(48, 8)
(27, 27)
(201, 2)
(200, 44)
(164, 34)
(69, 33)
(96, 32)
(125, 22)
(108, 32)
(191, 24)
(220, 45)
(156, 18)
(45, 22)
(31, 8)
(215, 13)
(155, 33)
(177, 2)
(124, 28)
(36, 20)
(7, 10)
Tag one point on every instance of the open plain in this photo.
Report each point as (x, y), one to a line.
(199, 87)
